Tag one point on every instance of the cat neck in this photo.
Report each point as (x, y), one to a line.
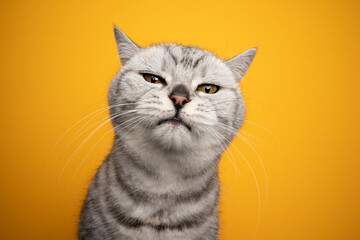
(151, 159)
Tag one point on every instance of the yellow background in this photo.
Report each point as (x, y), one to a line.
(58, 58)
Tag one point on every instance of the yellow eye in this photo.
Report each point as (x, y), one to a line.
(153, 79)
(208, 88)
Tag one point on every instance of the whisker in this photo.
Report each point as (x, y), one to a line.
(254, 176)
(99, 110)
(256, 182)
(229, 128)
(137, 121)
(263, 167)
(148, 108)
(267, 145)
(249, 140)
(232, 161)
(238, 134)
(63, 135)
(256, 124)
(75, 136)
(83, 143)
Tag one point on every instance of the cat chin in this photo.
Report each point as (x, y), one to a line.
(172, 136)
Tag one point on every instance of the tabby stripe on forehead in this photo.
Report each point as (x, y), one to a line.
(197, 61)
(174, 58)
(186, 61)
(140, 195)
(163, 65)
(171, 54)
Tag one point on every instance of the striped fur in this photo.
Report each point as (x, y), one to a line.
(160, 181)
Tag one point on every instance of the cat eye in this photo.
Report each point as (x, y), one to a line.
(208, 88)
(153, 79)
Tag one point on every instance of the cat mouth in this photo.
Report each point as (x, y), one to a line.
(175, 121)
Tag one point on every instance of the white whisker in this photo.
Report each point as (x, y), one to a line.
(233, 130)
(84, 142)
(267, 145)
(232, 160)
(75, 136)
(137, 121)
(254, 176)
(263, 167)
(256, 182)
(256, 124)
(97, 111)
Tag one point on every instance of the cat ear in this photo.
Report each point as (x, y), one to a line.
(240, 64)
(126, 47)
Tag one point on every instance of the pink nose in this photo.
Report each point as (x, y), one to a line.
(179, 101)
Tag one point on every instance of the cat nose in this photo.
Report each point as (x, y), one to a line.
(179, 101)
(179, 96)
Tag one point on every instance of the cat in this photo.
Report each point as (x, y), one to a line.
(174, 110)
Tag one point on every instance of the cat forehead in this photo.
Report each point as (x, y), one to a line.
(184, 62)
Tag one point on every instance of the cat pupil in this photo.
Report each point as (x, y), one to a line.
(207, 88)
(153, 79)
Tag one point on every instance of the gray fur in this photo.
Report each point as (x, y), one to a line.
(160, 181)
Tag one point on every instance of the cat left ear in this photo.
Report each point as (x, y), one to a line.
(126, 47)
(240, 64)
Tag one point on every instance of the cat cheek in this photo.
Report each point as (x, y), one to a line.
(198, 114)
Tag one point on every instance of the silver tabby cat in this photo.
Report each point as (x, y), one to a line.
(174, 109)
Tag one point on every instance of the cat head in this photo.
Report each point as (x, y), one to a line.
(177, 97)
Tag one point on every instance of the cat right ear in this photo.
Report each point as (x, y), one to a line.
(240, 64)
(126, 47)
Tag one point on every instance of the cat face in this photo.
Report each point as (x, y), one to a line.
(176, 97)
